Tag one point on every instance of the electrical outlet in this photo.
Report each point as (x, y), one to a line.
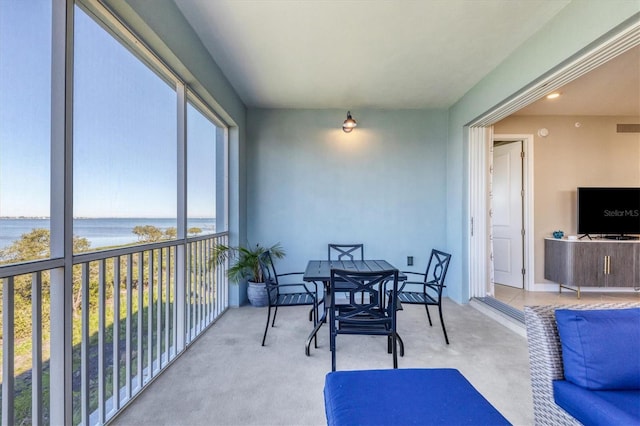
(409, 260)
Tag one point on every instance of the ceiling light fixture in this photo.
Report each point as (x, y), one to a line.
(553, 95)
(349, 124)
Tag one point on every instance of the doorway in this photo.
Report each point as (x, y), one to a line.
(507, 212)
(481, 261)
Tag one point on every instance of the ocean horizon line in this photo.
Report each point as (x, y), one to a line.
(100, 231)
(105, 217)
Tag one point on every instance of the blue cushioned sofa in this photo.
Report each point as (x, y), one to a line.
(585, 363)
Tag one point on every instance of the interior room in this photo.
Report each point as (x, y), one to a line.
(577, 137)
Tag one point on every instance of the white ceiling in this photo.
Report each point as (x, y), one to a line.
(611, 89)
(365, 53)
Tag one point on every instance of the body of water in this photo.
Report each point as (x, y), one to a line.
(101, 232)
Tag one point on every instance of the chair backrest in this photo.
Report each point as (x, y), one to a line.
(269, 275)
(345, 251)
(366, 297)
(437, 269)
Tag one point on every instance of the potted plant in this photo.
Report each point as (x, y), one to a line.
(245, 266)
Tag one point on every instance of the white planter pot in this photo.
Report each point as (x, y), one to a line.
(257, 294)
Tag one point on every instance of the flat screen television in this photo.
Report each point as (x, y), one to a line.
(611, 212)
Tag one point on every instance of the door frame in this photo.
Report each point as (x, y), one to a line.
(527, 204)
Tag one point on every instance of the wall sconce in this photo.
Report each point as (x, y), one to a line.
(349, 124)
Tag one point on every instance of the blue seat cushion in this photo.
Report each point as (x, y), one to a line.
(406, 397)
(601, 348)
(604, 407)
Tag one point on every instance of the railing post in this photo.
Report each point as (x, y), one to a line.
(84, 349)
(180, 301)
(36, 349)
(8, 340)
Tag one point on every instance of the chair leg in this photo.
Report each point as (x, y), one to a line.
(266, 328)
(444, 330)
(315, 323)
(426, 307)
(313, 335)
(395, 350)
(273, 323)
(332, 345)
(320, 302)
(390, 343)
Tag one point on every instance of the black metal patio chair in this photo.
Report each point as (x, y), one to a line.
(341, 252)
(428, 292)
(345, 251)
(373, 314)
(287, 294)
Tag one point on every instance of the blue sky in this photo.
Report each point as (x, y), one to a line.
(24, 123)
(124, 125)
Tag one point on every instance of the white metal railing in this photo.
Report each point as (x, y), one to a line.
(134, 310)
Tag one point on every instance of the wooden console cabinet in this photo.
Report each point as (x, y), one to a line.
(592, 263)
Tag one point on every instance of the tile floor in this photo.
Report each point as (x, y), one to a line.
(518, 298)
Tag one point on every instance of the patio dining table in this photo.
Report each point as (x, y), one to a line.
(320, 270)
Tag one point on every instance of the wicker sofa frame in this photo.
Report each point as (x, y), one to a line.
(545, 357)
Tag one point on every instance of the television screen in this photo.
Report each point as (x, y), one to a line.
(609, 211)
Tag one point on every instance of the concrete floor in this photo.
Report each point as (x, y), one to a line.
(227, 378)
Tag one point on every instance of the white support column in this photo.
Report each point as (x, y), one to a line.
(222, 201)
(61, 401)
(222, 178)
(181, 265)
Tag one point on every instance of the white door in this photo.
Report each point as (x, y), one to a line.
(507, 214)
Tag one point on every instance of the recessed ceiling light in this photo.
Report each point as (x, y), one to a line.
(553, 95)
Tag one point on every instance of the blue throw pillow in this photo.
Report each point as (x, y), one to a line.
(601, 348)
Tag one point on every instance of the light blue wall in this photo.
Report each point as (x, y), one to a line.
(577, 26)
(309, 183)
(295, 161)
